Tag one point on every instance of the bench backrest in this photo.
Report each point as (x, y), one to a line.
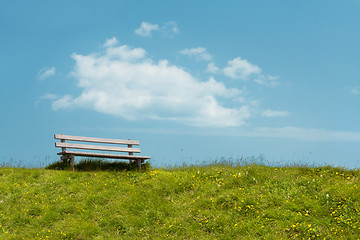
(65, 145)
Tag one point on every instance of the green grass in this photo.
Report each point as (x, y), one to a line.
(94, 164)
(218, 201)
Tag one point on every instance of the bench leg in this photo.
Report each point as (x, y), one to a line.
(72, 162)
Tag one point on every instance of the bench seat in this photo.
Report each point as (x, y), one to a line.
(103, 155)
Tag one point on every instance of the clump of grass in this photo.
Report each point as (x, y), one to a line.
(105, 165)
(97, 164)
(59, 165)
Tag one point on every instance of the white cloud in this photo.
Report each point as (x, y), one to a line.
(63, 102)
(288, 132)
(125, 53)
(305, 134)
(124, 83)
(110, 42)
(146, 28)
(355, 90)
(199, 53)
(273, 113)
(212, 68)
(169, 29)
(239, 68)
(47, 96)
(46, 72)
(268, 80)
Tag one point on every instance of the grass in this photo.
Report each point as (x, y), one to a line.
(217, 201)
(97, 164)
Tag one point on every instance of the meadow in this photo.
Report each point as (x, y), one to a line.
(216, 201)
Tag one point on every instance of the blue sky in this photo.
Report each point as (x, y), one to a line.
(194, 81)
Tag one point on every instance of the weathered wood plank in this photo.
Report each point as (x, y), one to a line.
(95, 140)
(96, 147)
(103, 155)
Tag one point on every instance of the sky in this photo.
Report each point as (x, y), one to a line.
(194, 81)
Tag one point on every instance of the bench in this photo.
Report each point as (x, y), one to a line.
(112, 146)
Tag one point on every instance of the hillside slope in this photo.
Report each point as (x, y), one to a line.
(212, 202)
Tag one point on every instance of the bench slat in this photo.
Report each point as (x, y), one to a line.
(103, 155)
(96, 147)
(95, 140)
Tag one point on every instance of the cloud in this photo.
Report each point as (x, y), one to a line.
(123, 82)
(125, 53)
(47, 96)
(169, 29)
(146, 28)
(239, 68)
(110, 42)
(288, 132)
(268, 80)
(212, 68)
(273, 113)
(355, 90)
(63, 102)
(46, 72)
(199, 53)
(305, 134)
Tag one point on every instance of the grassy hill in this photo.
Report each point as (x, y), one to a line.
(219, 201)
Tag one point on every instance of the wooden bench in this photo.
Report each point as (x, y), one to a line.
(66, 154)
